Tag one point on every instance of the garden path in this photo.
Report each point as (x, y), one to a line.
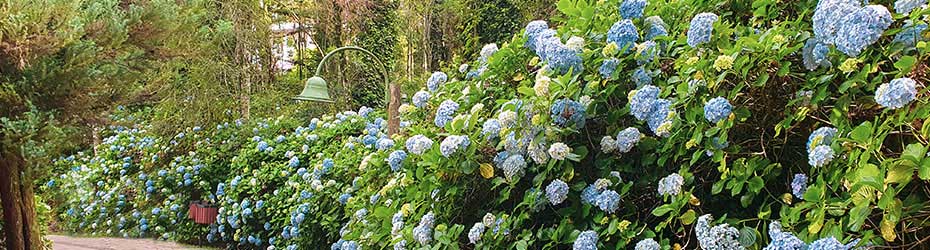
(63, 242)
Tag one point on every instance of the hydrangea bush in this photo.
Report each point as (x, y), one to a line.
(539, 144)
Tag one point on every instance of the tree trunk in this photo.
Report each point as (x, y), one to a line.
(11, 198)
(30, 218)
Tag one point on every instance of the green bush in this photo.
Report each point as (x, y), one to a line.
(648, 162)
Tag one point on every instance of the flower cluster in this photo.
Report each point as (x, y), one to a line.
(436, 80)
(396, 159)
(452, 144)
(906, 6)
(565, 110)
(559, 151)
(799, 185)
(910, 35)
(607, 67)
(632, 8)
(474, 234)
(418, 144)
(897, 93)
(717, 109)
(586, 240)
(626, 139)
(820, 156)
(671, 184)
(701, 29)
(556, 192)
(423, 232)
(783, 240)
(723, 236)
(624, 34)
(420, 99)
(814, 54)
(645, 104)
(849, 25)
(513, 166)
(491, 128)
(647, 244)
(655, 27)
(445, 112)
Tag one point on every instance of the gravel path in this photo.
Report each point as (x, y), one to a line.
(61, 242)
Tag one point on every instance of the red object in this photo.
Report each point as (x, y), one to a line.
(202, 213)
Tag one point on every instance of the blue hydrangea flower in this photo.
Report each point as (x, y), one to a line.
(910, 34)
(452, 144)
(799, 185)
(565, 110)
(343, 198)
(821, 136)
(647, 244)
(445, 112)
(783, 240)
(701, 29)
(435, 80)
(814, 54)
(423, 232)
(487, 51)
(586, 240)
(641, 76)
(861, 28)
(624, 34)
(418, 144)
(906, 6)
(608, 201)
(513, 166)
(559, 57)
(897, 93)
(722, 237)
(661, 117)
(632, 8)
(385, 143)
(293, 162)
(626, 139)
(671, 184)
(402, 245)
(717, 109)
(828, 16)
(396, 159)
(556, 192)
(820, 156)
(262, 146)
(831, 243)
(607, 67)
(474, 234)
(420, 99)
(646, 51)
(641, 101)
(655, 27)
(491, 128)
(544, 40)
(532, 29)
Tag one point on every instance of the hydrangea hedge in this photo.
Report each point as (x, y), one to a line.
(631, 124)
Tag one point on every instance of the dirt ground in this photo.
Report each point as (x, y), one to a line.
(62, 242)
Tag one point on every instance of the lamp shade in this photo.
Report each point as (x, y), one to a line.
(315, 90)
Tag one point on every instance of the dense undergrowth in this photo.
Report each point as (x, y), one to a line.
(659, 125)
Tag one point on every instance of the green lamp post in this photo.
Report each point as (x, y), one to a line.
(315, 88)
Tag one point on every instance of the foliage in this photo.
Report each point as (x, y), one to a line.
(692, 179)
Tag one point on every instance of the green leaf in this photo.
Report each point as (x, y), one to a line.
(747, 236)
(862, 133)
(869, 174)
(688, 217)
(662, 210)
(914, 153)
(813, 193)
(905, 64)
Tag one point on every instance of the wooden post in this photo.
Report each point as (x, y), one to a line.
(393, 106)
